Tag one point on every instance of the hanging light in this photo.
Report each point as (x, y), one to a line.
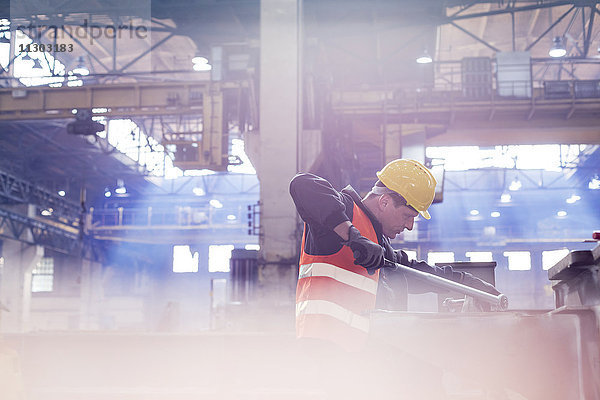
(81, 69)
(216, 203)
(200, 63)
(4, 39)
(198, 59)
(515, 185)
(573, 199)
(121, 189)
(558, 48)
(26, 57)
(198, 191)
(424, 58)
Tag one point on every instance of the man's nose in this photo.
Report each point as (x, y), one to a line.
(410, 224)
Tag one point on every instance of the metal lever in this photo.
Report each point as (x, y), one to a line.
(500, 301)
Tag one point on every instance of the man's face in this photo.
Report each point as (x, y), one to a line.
(395, 219)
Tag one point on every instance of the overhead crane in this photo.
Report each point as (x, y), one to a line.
(449, 118)
(202, 149)
(203, 146)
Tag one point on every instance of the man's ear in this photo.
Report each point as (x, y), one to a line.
(384, 201)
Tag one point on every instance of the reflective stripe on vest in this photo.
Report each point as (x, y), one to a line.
(334, 295)
(336, 311)
(339, 274)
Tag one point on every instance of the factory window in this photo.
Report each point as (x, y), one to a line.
(479, 256)
(551, 257)
(550, 157)
(440, 257)
(184, 260)
(518, 260)
(245, 167)
(412, 254)
(42, 276)
(218, 257)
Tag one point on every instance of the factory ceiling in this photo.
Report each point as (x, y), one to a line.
(360, 45)
(363, 42)
(43, 154)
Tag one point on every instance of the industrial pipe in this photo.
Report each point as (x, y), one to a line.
(500, 301)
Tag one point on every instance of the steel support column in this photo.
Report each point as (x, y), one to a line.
(15, 287)
(278, 158)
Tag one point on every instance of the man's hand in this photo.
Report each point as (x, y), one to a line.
(480, 284)
(366, 253)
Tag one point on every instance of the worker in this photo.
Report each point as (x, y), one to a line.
(345, 243)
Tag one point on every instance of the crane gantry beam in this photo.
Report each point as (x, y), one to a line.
(204, 99)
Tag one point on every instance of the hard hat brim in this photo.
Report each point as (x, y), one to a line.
(425, 214)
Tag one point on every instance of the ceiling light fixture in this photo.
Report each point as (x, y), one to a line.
(200, 63)
(594, 183)
(505, 198)
(198, 191)
(120, 187)
(494, 214)
(216, 203)
(561, 213)
(424, 58)
(515, 185)
(81, 69)
(4, 39)
(202, 67)
(197, 59)
(558, 48)
(573, 199)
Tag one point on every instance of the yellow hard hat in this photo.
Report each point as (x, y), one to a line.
(412, 180)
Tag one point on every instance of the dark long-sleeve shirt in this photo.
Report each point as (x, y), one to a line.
(322, 208)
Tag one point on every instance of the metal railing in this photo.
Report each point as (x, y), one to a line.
(179, 217)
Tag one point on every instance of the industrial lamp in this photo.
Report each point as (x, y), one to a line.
(200, 63)
(36, 64)
(4, 39)
(81, 69)
(558, 48)
(515, 185)
(198, 59)
(424, 58)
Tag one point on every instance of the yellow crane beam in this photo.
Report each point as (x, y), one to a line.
(133, 100)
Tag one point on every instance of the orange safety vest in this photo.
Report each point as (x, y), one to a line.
(334, 296)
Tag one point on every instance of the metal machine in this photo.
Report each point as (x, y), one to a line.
(513, 354)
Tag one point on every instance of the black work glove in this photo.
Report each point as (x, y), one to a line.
(367, 254)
